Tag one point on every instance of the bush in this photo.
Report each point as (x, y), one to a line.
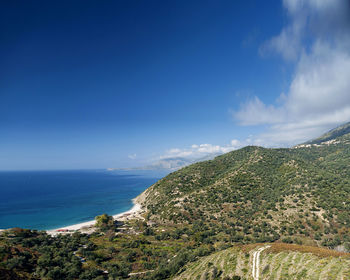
(104, 222)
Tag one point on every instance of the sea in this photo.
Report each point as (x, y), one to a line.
(45, 200)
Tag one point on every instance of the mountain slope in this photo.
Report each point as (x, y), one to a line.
(332, 134)
(279, 261)
(299, 195)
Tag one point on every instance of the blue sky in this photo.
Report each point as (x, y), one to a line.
(86, 84)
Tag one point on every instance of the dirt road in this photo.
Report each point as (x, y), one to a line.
(256, 262)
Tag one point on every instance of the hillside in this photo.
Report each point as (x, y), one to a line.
(332, 134)
(279, 261)
(297, 195)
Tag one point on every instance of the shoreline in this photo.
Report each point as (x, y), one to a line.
(88, 227)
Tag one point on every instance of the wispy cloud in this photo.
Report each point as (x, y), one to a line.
(317, 40)
(201, 150)
(177, 158)
(132, 156)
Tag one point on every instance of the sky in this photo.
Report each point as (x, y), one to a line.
(91, 84)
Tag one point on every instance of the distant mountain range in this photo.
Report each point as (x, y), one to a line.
(171, 163)
(332, 134)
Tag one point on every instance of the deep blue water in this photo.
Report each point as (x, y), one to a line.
(52, 199)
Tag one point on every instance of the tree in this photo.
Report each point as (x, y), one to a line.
(104, 221)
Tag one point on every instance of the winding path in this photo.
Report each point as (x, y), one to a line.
(256, 262)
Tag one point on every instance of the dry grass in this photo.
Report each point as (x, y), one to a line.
(320, 252)
(280, 247)
(247, 248)
(282, 261)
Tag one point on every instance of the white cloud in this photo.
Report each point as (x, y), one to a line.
(318, 98)
(133, 156)
(235, 143)
(176, 158)
(320, 19)
(200, 151)
(255, 112)
(288, 42)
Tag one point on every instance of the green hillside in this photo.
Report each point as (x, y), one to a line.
(298, 195)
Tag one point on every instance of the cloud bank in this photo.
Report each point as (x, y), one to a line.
(177, 158)
(317, 40)
(196, 152)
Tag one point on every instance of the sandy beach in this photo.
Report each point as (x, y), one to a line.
(134, 212)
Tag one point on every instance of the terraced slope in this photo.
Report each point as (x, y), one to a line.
(280, 261)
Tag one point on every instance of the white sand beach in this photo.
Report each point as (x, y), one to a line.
(134, 212)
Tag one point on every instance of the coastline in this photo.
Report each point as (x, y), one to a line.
(88, 227)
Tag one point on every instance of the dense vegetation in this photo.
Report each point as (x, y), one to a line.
(114, 252)
(253, 195)
(31, 254)
(299, 195)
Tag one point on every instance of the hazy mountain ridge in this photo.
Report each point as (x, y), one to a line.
(170, 163)
(332, 134)
(167, 163)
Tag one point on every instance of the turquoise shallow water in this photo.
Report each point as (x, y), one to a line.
(51, 199)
